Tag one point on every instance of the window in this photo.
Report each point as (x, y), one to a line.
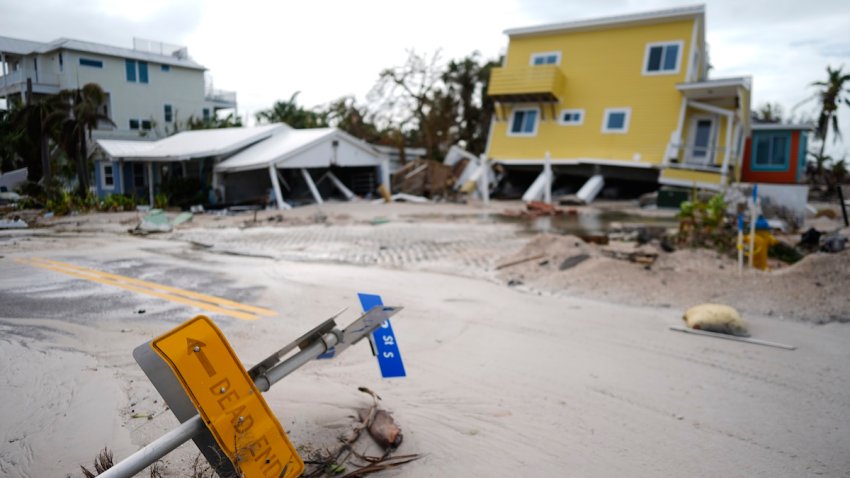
(91, 63)
(771, 151)
(143, 72)
(546, 58)
(616, 120)
(130, 66)
(146, 125)
(61, 63)
(524, 122)
(206, 114)
(138, 175)
(107, 175)
(168, 114)
(662, 58)
(572, 117)
(134, 124)
(137, 71)
(165, 68)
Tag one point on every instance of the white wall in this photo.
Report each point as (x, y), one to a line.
(182, 88)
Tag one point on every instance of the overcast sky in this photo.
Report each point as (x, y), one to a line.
(326, 49)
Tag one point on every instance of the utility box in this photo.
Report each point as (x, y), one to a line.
(672, 197)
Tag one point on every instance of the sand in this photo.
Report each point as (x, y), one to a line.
(571, 373)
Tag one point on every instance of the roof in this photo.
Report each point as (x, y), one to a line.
(118, 148)
(190, 144)
(671, 14)
(26, 47)
(18, 46)
(745, 81)
(779, 126)
(286, 145)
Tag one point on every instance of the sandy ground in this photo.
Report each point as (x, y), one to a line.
(534, 379)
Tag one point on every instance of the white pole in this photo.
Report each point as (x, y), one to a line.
(278, 196)
(340, 186)
(484, 181)
(150, 182)
(740, 244)
(753, 214)
(310, 184)
(385, 174)
(547, 170)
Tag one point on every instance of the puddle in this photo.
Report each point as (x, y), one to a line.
(585, 223)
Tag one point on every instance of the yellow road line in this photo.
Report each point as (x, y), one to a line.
(153, 285)
(153, 291)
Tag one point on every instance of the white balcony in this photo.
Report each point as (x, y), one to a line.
(16, 82)
(221, 99)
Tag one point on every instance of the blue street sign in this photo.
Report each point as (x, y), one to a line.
(389, 356)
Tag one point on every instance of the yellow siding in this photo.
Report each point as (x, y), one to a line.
(602, 69)
(691, 176)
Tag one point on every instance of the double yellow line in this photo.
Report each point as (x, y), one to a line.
(205, 302)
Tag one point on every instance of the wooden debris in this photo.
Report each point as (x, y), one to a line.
(539, 208)
(423, 177)
(573, 261)
(520, 261)
(645, 258)
(732, 337)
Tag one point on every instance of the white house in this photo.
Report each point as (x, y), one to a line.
(149, 87)
(245, 165)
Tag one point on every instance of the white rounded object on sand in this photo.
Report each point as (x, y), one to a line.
(716, 318)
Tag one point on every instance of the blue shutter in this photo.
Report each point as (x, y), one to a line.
(143, 72)
(131, 70)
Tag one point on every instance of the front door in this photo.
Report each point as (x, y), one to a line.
(701, 142)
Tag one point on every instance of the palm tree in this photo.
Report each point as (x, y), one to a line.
(78, 112)
(832, 93)
(290, 113)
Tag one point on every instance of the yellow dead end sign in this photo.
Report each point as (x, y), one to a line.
(227, 400)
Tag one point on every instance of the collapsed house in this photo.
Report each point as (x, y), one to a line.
(262, 164)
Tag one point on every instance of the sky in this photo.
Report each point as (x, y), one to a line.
(327, 49)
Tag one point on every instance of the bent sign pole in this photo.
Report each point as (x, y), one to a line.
(201, 357)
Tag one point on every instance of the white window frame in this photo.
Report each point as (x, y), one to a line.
(545, 53)
(627, 110)
(536, 121)
(679, 55)
(571, 123)
(103, 166)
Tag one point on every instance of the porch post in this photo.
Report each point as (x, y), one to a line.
(150, 182)
(484, 180)
(725, 169)
(385, 173)
(547, 170)
(313, 190)
(278, 196)
(339, 185)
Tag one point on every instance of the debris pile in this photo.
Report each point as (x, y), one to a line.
(423, 177)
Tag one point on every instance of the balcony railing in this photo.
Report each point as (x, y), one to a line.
(17, 80)
(221, 97)
(684, 156)
(531, 83)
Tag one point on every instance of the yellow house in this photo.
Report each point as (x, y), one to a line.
(624, 97)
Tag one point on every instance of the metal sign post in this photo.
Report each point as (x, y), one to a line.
(234, 421)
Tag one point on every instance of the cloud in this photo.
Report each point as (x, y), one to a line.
(331, 48)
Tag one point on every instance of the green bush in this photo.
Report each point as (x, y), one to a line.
(117, 202)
